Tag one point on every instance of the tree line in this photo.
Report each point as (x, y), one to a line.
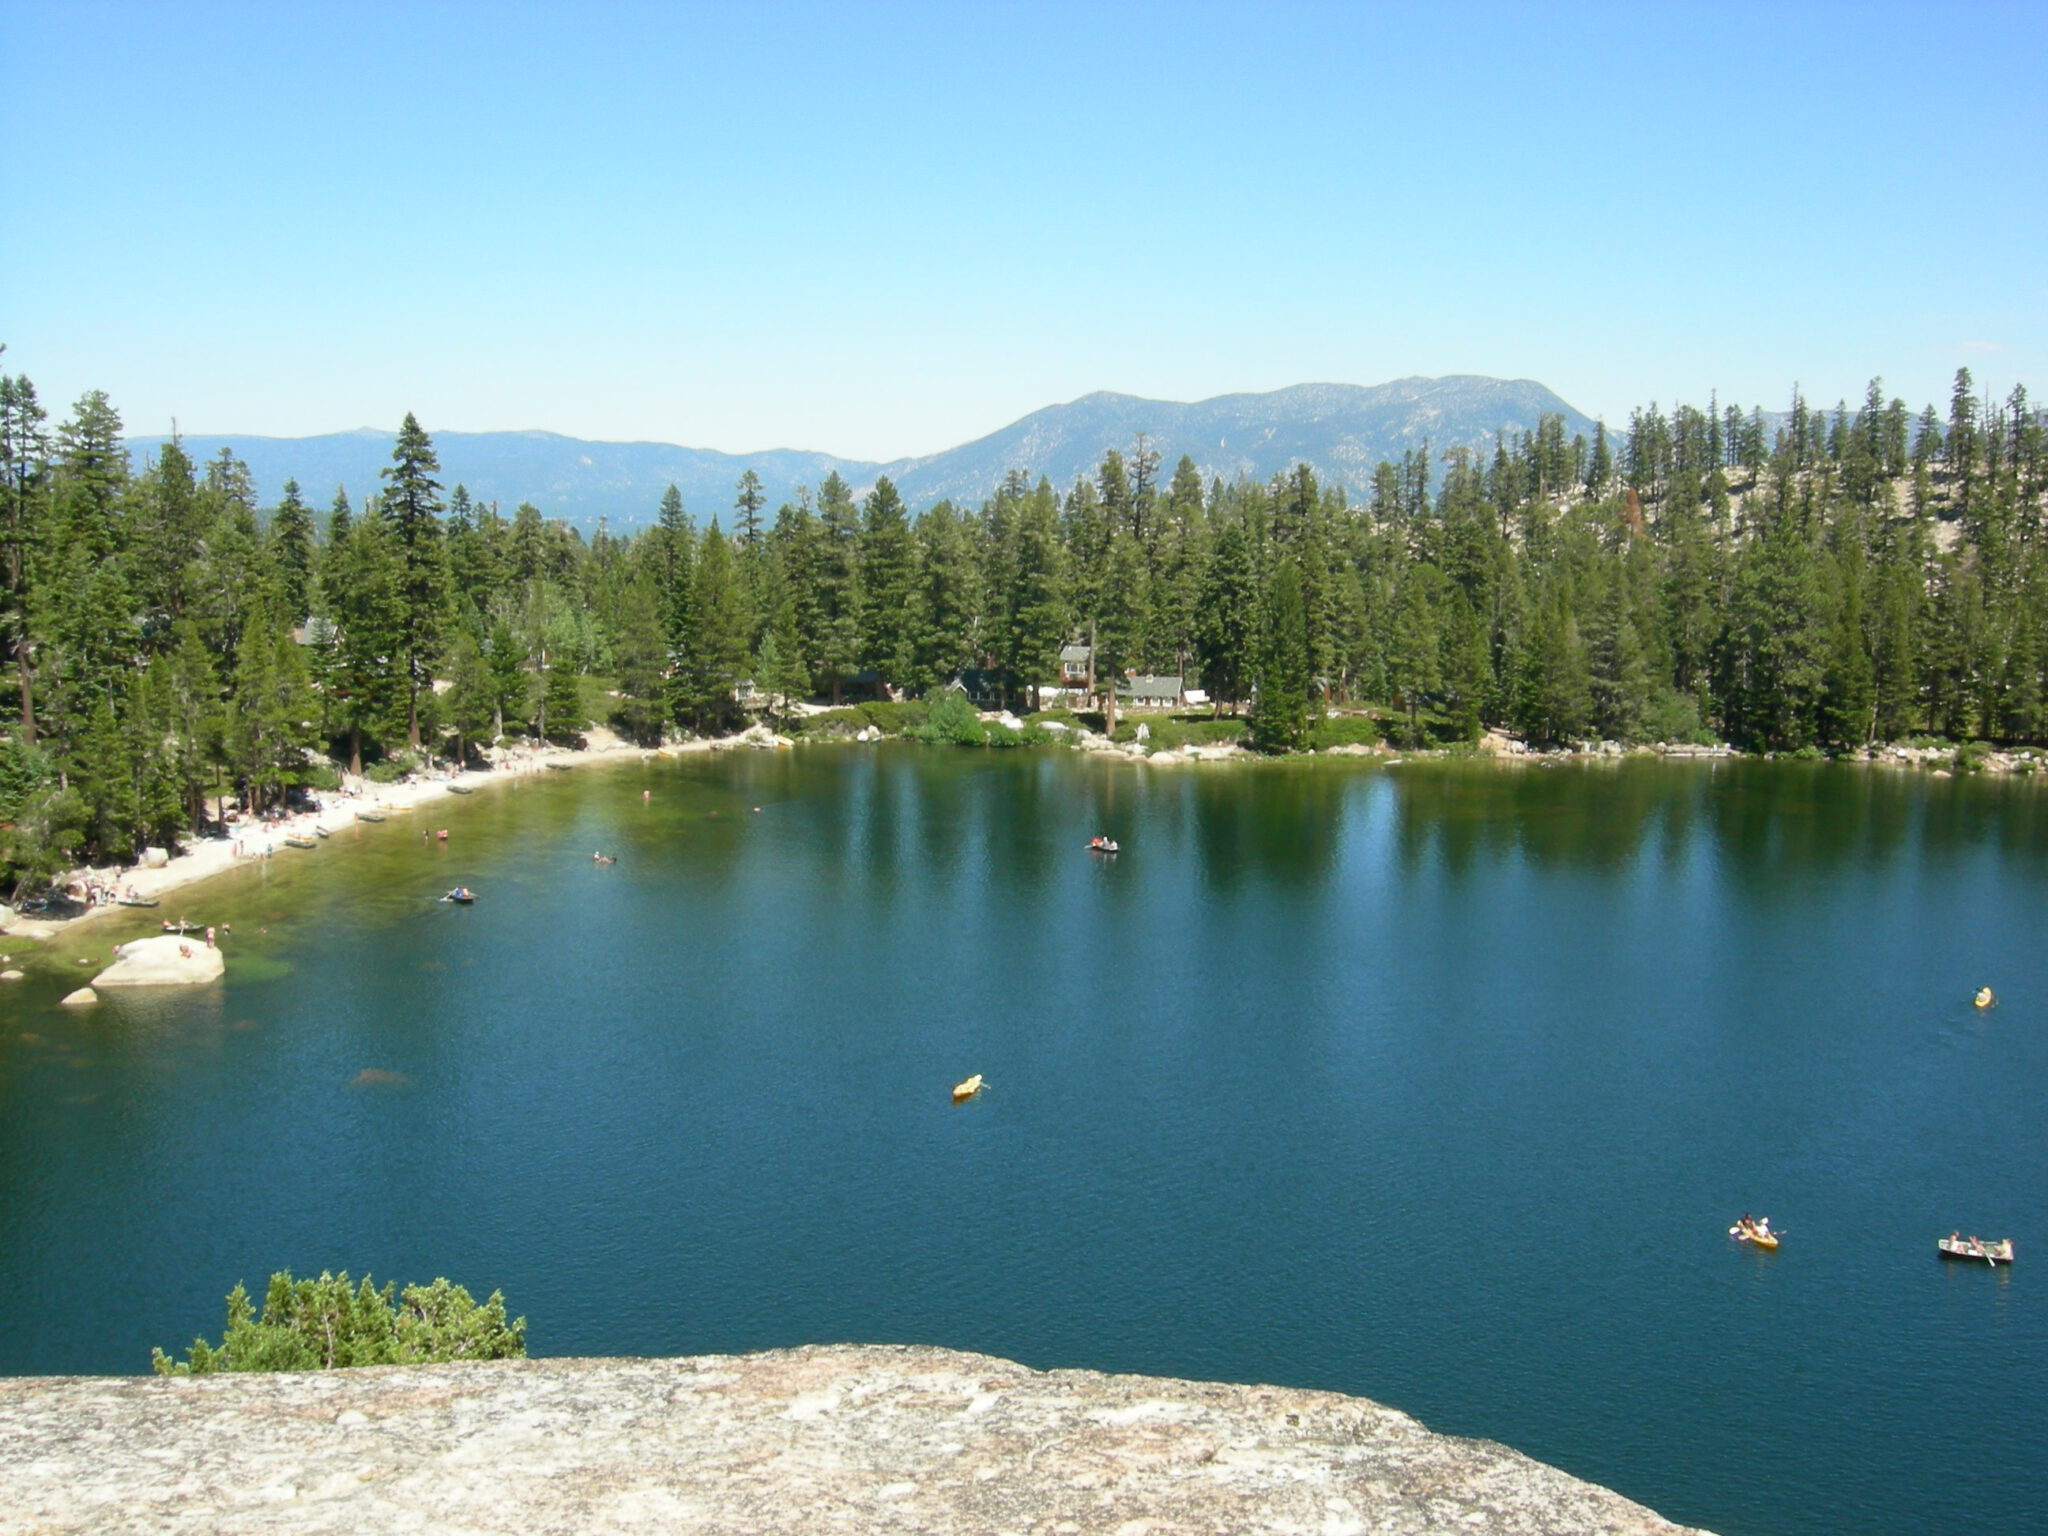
(1813, 580)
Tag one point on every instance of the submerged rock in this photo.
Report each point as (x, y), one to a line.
(841, 1438)
(169, 960)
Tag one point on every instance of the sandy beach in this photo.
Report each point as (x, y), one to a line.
(249, 839)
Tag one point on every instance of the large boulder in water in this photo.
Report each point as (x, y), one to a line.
(172, 960)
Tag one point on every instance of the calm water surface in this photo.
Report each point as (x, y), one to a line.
(1438, 1084)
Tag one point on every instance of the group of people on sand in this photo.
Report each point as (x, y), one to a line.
(95, 892)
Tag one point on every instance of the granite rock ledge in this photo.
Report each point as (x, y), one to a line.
(842, 1438)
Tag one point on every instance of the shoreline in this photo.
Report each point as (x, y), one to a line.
(248, 843)
(203, 859)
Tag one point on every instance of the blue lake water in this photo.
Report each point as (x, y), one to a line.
(1438, 1084)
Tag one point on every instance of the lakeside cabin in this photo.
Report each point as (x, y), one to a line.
(1152, 692)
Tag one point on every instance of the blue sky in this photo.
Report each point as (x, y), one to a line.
(883, 230)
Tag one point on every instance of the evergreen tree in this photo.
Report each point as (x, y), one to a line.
(412, 509)
(888, 586)
(291, 545)
(1279, 720)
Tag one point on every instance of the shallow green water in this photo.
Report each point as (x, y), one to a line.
(1438, 1084)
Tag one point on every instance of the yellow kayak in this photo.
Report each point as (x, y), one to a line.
(962, 1092)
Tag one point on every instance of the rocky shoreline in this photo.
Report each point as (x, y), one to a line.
(843, 1438)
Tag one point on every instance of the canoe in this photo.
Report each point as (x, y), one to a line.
(1992, 1253)
(461, 789)
(962, 1092)
(300, 842)
(369, 815)
(322, 833)
(560, 767)
(134, 901)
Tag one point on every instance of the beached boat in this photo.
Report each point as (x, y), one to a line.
(962, 1092)
(369, 815)
(461, 789)
(322, 833)
(1992, 1253)
(295, 841)
(560, 767)
(134, 901)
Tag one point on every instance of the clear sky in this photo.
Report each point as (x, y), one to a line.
(881, 230)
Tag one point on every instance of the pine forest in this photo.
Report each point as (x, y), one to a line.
(1811, 581)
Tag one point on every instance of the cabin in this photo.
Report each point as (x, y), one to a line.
(1149, 692)
(1077, 660)
(983, 687)
(864, 685)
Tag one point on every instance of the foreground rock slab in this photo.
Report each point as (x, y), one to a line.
(169, 960)
(832, 1439)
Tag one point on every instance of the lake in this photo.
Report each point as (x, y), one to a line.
(1438, 1084)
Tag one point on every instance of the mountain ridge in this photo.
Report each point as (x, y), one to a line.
(1341, 430)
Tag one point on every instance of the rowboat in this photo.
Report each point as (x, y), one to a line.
(1102, 845)
(295, 841)
(369, 815)
(461, 789)
(322, 833)
(462, 896)
(962, 1092)
(1994, 1254)
(182, 927)
(560, 767)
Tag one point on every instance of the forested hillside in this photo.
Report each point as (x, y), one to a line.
(1854, 575)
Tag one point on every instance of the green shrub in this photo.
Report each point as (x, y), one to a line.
(1168, 732)
(1970, 756)
(1362, 730)
(324, 776)
(324, 1324)
(950, 720)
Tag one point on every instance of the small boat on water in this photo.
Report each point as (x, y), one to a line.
(1102, 845)
(1757, 1232)
(369, 815)
(1984, 999)
(295, 841)
(462, 896)
(183, 927)
(322, 833)
(1996, 1253)
(134, 901)
(962, 1092)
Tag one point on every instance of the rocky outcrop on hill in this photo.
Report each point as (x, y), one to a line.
(834, 1439)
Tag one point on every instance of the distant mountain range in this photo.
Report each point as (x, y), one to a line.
(1342, 430)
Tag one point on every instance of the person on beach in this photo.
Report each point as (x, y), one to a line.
(209, 936)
